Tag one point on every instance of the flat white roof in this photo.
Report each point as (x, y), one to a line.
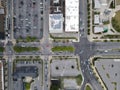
(55, 23)
(2, 11)
(104, 2)
(71, 15)
(56, 1)
(97, 4)
(70, 84)
(96, 19)
(98, 29)
(100, 3)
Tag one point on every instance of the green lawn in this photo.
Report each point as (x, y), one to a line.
(62, 37)
(79, 79)
(27, 39)
(110, 36)
(31, 39)
(27, 86)
(116, 21)
(88, 87)
(63, 48)
(19, 49)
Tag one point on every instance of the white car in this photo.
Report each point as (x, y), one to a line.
(106, 51)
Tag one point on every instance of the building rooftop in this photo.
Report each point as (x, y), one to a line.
(2, 11)
(70, 84)
(98, 29)
(56, 6)
(56, 1)
(104, 2)
(56, 23)
(99, 3)
(71, 15)
(96, 19)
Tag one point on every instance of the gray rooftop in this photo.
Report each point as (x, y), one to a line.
(56, 23)
(24, 71)
(2, 11)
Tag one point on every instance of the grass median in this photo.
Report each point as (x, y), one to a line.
(63, 48)
(20, 49)
(79, 79)
(62, 37)
(27, 39)
(88, 87)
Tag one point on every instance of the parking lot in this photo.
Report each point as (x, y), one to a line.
(64, 68)
(28, 18)
(32, 68)
(109, 72)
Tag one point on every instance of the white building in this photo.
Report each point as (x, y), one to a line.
(96, 19)
(100, 3)
(98, 29)
(71, 15)
(2, 11)
(55, 1)
(104, 2)
(55, 23)
(97, 4)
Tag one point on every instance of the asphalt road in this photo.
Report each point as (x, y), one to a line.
(107, 45)
(83, 17)
(8, 52)
(10, 71)
(10, 20)
(46, 43)
(85, 50)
